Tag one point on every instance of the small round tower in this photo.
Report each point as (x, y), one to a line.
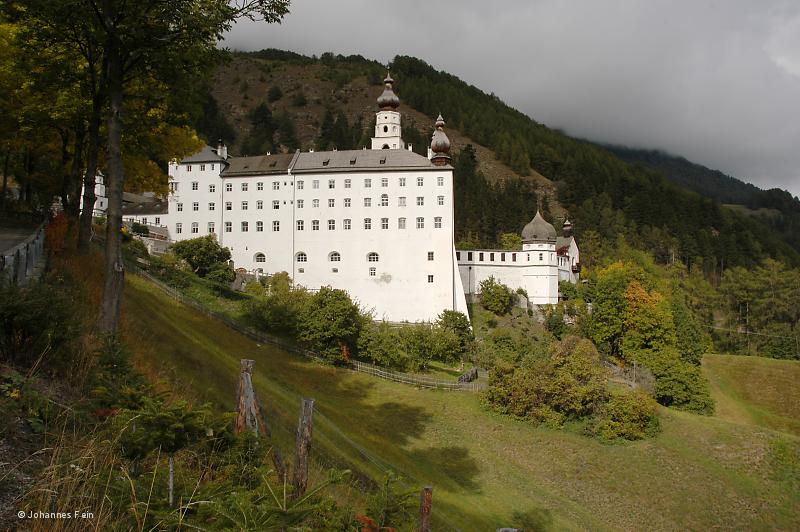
(440, 144)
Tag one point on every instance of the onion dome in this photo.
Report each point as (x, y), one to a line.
(440, 144)
(388, 100)
(538, 230)
(567, 228)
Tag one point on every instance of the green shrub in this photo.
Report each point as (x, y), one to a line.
(279, 310)
(495, 297)
(201, 254)
(274, 94)
(37, 321)
(569, 384)
(459, 324)
(628, 415)
(221, 273)
(380, 344)
(135, 249)
(679, 384)
(140, 229)
(330, 322)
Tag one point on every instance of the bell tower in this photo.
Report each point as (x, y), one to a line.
(387, 120)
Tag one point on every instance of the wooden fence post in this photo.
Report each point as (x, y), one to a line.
(246, 414)
(425, 500)
(250, 416)
(302, 448)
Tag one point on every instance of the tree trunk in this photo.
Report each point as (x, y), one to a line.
(114, 270)
(171, 479)
(425, 499)
(89, 198)
(6, 161)
(73, 209)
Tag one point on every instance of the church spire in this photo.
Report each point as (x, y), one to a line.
(388, 100)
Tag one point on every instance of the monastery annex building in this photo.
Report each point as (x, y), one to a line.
(376, 222)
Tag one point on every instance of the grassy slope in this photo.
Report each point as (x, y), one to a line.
(486, 470)
(756, 391)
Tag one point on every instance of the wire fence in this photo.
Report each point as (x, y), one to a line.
(420, 381)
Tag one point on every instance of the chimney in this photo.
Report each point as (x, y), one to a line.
(430, 153)
(409, 148)
(222, 150)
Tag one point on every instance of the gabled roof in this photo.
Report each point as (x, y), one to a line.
(349, 160)
(278, 163)
(206, 155)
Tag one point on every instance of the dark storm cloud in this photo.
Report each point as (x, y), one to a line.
(715, 81)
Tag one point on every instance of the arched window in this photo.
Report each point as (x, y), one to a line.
(372, 257)
(385, 147)
(260, 257)
(334, 256)
(302, 257)
(385, 129)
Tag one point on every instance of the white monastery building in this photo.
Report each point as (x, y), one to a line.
(377, 223)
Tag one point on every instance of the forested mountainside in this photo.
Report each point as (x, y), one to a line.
(505, 161)
(776, 208)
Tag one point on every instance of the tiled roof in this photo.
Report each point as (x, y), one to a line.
(345, 160)
(206, 155)
(258, 165)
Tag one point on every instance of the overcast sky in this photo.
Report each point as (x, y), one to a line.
(717, 82)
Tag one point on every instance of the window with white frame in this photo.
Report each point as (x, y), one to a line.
(300, 225)
(211, 206)
(212, 166)
(228, 205)
(401, 201)
(373, 272)
(211, 227)
(402, 181)
(440, 181)
(276, 204)
(367, 223)
(384, 200)
(384, 223)
(144, 220)
(260, 185)
(245, 227)
(228, 187)
(188, 167)
(437, 222)
(346, 224)
(259, 204)
(541, 256)
(276, 185)
(315, 183)
(202, 168)
(259, 226)
(173, 186)
(228, 227)
(335, 256)
(195, 185)
(244, 205)
(430, 255)
(348, 183)
(367, 202)
(178, 227)
(430, 278)
(420, 181)
(440, 200)
(180, 207)
(420, 201)
(276, 225)
(367, 182)
(401, 223)
(195, 228)
(315, 225)
(315, 203)
(384, 182)
(300, 204)
(372, 256)
(244, 187)
(331, 183)
(331, 225)
(347, 202)
(212, 188)
(158, 220)
(331, 202)
(302, 257)
(420, 223)
(195, 206)
(260, 257)
(300, 185)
